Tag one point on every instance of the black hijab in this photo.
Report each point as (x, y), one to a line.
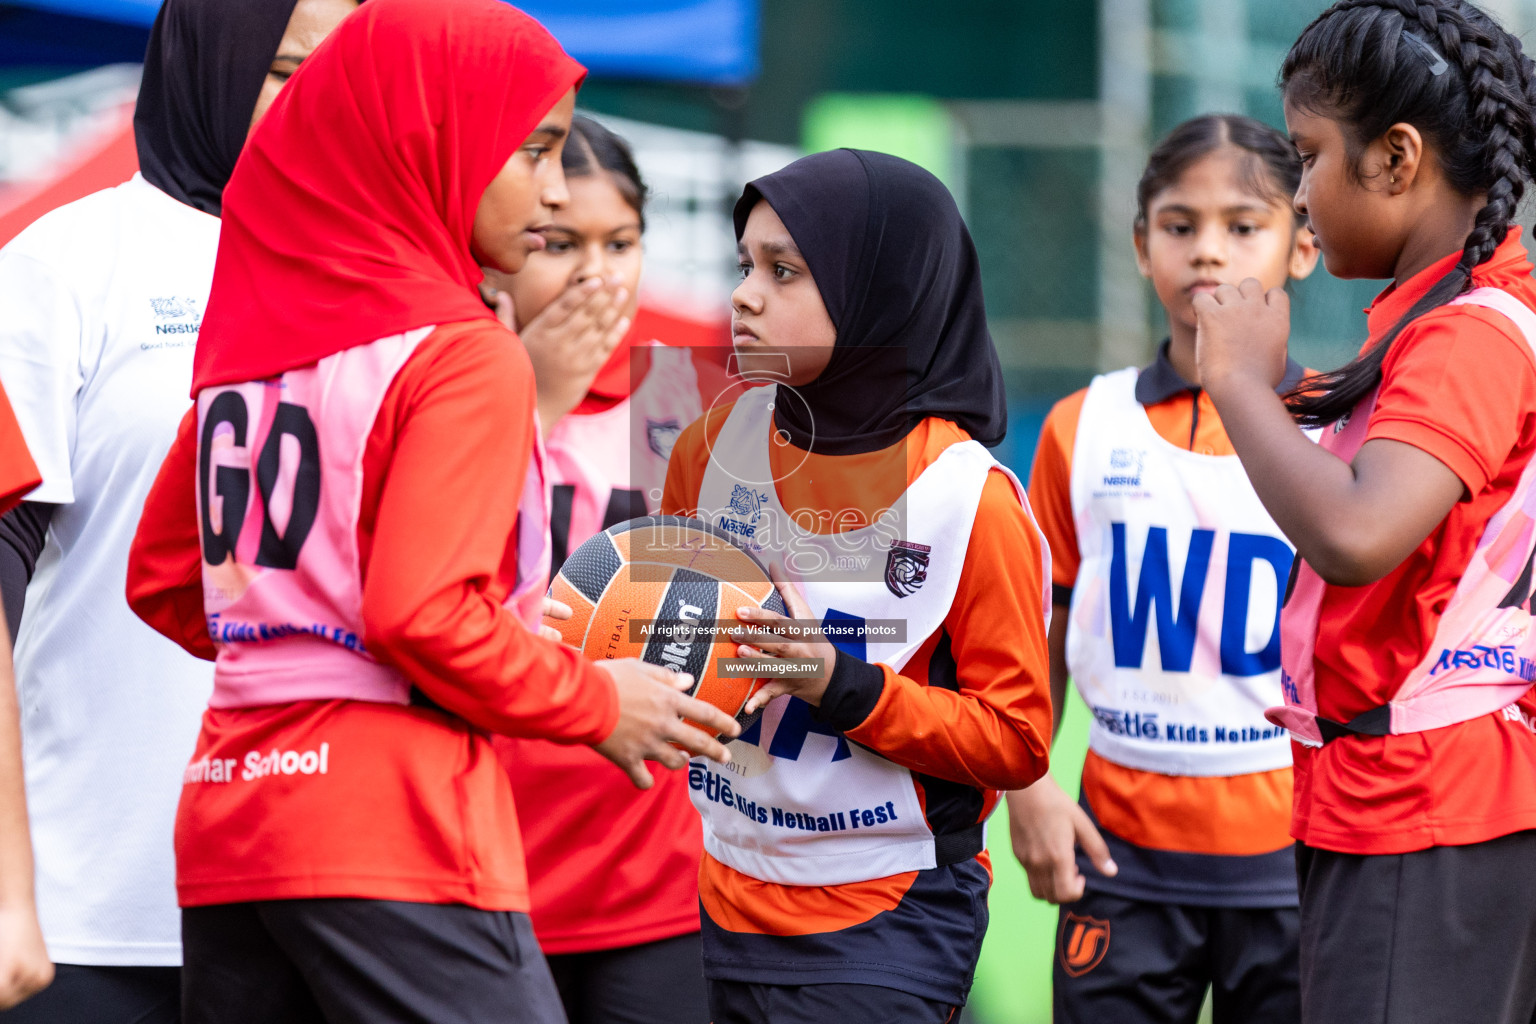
(900, 279)
(204, 68)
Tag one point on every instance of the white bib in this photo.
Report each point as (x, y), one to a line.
(1173, 639)
(815, 809)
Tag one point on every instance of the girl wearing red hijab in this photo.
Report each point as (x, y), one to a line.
(363, 479)
(627, 949)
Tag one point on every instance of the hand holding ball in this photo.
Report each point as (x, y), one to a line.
(665, 589)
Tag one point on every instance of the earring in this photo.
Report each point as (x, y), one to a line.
(1394, 179)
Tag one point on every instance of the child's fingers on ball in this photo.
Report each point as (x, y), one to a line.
(768, 650)
(707, 715)
(757, 635)
(758, 616)
(702, 744)
(550, 633)
(790, 592)
(557, 610)
(676, 680)
(761, 698)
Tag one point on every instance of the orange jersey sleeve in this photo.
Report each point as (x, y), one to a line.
(442, 473)
(1050, 487)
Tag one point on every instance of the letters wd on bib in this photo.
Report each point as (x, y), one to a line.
(1172, 574)
(1174, 639)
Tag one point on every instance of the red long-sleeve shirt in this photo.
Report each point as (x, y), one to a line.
(413, 804)
(18, 473)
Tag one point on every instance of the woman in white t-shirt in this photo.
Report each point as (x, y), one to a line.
(103, 299)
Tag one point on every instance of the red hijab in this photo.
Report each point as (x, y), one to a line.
(348, 217)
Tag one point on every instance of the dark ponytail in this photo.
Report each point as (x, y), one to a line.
(592, 148)
(1449, 70)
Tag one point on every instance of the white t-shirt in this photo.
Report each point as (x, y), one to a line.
(102, 299)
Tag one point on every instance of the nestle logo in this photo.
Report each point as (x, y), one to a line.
(747, 502)
(172, 306)
(1125, 467)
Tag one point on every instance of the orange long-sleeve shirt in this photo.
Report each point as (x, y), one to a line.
(985, 731)
(413, 804)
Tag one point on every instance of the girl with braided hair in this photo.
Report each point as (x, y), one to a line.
(1408, 639)
(1175, 871)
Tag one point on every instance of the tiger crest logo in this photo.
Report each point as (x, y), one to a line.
(906, 567)
(1082, 944)
(661, 435)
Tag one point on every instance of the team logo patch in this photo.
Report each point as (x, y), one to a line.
(906, 567)
(661, 435)
(1082, 944)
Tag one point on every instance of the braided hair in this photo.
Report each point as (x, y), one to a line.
(1448, 69)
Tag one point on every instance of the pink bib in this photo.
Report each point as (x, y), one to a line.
(279, 490)
(1483, 654)
(610, 466)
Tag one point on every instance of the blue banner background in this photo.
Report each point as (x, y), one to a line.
(708, 41)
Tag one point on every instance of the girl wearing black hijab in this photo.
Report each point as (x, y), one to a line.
(103, 299)
(844, 873)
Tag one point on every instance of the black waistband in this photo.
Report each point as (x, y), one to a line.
(954, 847)
(421, 700)
(1375, 722)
